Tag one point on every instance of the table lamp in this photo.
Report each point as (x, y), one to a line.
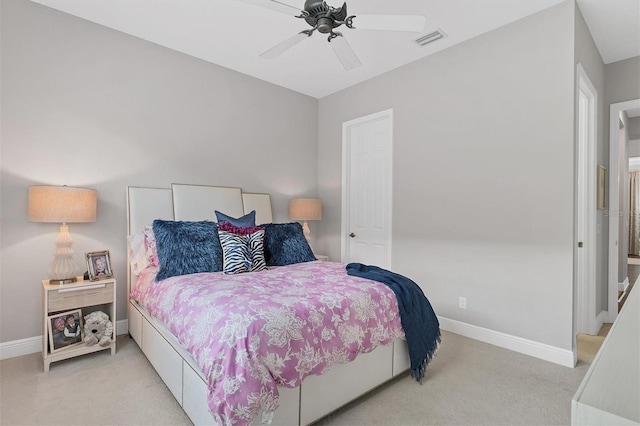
(62, 204)
(305, 209)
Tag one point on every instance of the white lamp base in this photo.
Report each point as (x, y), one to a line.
(62, 269)
(306, 231)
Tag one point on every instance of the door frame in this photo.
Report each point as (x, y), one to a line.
(614, 201)
(585, 316)
(346, 181)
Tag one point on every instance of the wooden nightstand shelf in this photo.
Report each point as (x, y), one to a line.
(322, 257)
(86, 295)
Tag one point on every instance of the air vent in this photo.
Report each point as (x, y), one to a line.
(430, 38)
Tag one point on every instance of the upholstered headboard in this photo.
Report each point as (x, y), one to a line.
(190, 203)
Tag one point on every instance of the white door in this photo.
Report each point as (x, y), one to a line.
(367, 189)
(585, 248)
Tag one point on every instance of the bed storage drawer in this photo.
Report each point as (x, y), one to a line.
(164, 359)
(194, 398)
(323, 394)
(401, 361)
(195, 402)
(289, 410)
(135, 324)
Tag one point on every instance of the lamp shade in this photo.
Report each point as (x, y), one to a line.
(62, 204)
(305, 209)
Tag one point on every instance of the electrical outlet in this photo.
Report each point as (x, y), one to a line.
(462, 302)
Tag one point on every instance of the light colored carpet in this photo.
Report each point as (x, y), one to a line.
(468, 383)
(95, 389)
(472, 383)
(588, 347)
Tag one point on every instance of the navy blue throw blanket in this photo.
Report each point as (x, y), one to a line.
(420, 324)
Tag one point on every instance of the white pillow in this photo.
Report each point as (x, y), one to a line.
(137, 253)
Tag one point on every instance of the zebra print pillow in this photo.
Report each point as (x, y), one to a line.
(242, 253)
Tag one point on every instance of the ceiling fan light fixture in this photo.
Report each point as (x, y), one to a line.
(323, 18)
(430, 38)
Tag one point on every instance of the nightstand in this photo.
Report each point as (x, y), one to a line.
(88, 296)
(322, 257)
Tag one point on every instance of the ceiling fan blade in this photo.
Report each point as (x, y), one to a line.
(345, 53)
(411, 23)
(276, 5)
(283, 46)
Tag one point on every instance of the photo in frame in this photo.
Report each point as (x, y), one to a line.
(65, 330)
(99, 265)
(601, 188)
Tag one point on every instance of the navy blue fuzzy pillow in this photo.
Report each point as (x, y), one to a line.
(187, 248)
(285, 244)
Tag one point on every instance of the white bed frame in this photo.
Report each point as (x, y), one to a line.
(317, 396)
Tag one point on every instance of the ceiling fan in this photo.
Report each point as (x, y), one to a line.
(325, 19)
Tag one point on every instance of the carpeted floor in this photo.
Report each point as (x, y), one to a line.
(95, 389)
(588, 345)
(468, 383)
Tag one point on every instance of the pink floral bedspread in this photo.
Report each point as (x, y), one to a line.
(254, 331)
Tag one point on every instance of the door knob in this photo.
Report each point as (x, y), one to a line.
(352, 235)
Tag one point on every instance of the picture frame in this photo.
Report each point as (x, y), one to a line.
(601, 199)
(65, 330)
(99, 265)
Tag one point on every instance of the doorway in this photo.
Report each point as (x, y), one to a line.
(367, 147)
(617, 219)
(633, 257)
(585, 244)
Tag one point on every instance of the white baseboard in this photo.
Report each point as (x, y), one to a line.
(528, 347)
(32, 345)
(623, 286)
(20, 347)
(507, 341)
(602, 317)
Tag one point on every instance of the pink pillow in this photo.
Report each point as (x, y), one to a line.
(228, 227)
(150, 246)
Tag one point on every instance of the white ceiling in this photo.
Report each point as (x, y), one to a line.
(233, 33)
(614, 26)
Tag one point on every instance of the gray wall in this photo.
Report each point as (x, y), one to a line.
(634, 128)
(586, 53)
(83, 105)
(622, 82)
(483, 174)
(634, 150)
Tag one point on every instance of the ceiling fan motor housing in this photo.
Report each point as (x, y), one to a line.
(319, 14)
(325, 25)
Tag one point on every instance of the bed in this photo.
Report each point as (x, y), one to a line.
(300, 402)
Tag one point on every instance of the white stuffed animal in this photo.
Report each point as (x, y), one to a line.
(97, 329)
